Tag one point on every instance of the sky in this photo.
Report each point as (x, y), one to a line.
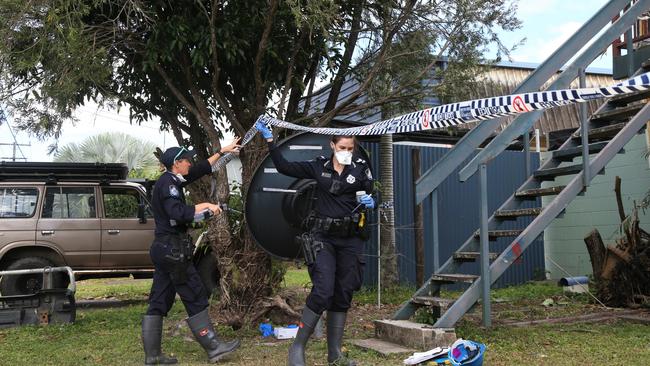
(546, 25)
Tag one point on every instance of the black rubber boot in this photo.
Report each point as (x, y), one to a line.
(203, 330)
(151, 337)
(297, 349)
(335, 329)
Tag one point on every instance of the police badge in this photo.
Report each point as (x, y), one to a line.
(350, 179)
(173, 191)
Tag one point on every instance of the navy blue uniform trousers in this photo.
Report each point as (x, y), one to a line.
(164, 290)
(336, 273)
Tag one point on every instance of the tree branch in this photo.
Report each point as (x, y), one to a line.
(205, 116)
(216, 70)
(379, 63)
(350, 45)
(290, 69)
(259, 84)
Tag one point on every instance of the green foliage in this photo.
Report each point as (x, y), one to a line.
(118, 206)
(114, 147)
(393, 295)
(297, 277)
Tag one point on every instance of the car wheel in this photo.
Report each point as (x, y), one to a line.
(29, 283)
(208, 271)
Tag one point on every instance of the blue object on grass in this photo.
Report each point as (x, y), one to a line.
(572, 281)
(266, 329)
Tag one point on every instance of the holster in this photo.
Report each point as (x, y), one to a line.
(309, 246)
(182, 249)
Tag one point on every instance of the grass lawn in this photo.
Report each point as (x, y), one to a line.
(112, 336)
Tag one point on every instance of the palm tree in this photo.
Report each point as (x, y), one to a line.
(113, 147)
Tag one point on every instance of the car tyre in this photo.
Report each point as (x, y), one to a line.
(29, 283)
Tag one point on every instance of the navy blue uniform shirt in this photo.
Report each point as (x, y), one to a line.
(168, 200)
(335, 193)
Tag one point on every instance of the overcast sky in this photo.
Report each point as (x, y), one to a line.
(546, 25)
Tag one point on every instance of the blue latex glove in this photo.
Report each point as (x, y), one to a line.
(266, 329)
(367, 201)
(264, 129)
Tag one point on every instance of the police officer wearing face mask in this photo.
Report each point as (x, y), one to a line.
(171, 254)
(338, 235)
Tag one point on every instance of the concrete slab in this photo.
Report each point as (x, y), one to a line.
(382, 347)
(414, 335)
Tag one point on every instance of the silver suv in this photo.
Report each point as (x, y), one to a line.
(82, 215)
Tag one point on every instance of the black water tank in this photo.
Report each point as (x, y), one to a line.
(276, 204)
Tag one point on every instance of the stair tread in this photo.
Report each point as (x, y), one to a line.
(473, 255)
(537, 192)
(559, 171)
(617, 113)
(570, 153)
(628, 98)
(519, 212)
(454, 277)
(602, 132)
(431, 301)
(499, 233)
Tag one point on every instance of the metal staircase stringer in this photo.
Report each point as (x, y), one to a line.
(407, 308)
(537, 226)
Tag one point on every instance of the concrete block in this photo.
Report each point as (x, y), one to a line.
(414, 335)
(380, 346)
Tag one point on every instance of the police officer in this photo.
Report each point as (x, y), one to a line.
(171, 254)
(337, 230)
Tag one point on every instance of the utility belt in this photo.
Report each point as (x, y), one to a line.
(180, 256)
(344, 227)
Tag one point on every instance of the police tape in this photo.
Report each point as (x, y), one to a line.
(462, 112)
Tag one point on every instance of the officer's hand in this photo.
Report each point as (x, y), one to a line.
(264, 129)
(232, 147)
(214, 208)
(367, 201)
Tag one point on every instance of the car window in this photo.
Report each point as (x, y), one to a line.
(17, 202)
(69, 203)
(121, 202)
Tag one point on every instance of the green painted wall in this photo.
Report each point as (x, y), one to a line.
(563, 239)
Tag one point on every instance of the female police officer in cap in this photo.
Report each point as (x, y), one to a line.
(337, 270)
(171, 254)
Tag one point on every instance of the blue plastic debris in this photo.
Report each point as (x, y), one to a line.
(463, 353)
(266, 329)
(572, 281)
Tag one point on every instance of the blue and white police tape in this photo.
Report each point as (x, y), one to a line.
(463, 112)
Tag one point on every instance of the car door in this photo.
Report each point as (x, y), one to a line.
(69, 221)
(125, 239)
(18, 215)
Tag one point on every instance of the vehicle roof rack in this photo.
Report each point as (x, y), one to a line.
(52, 173)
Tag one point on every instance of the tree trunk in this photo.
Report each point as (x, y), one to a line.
(248, 275)
(389, 275)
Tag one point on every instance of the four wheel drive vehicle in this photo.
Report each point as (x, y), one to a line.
(83, 215)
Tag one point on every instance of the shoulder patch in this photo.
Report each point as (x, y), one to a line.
(368, 173)
(173, 190)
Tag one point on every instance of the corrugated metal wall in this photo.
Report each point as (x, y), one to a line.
(459, 214)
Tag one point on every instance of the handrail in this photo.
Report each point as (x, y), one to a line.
(434, 176)
(526, 121)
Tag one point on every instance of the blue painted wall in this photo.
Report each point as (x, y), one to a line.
(459, 214)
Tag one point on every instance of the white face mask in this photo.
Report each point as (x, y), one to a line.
(344, 157)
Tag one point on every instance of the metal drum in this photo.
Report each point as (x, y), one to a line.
(276, 204)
